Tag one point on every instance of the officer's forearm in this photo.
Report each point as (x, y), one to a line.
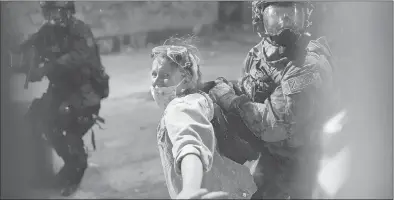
(248, 111)
(258, 119)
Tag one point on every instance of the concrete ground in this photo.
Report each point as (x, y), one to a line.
(126, 163)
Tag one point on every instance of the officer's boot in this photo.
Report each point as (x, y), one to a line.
(79, 165)
(61, 148)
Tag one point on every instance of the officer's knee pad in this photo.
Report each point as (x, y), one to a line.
(82, 161)
(80, 156)
(34, 112)
(35, 102)
(61, 150)
(34, 106)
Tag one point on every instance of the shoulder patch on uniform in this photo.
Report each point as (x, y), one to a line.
(299, 83)
(320, 46)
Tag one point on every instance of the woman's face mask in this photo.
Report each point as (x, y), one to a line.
(164, 95)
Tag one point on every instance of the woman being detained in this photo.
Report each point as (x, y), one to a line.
(193, 168)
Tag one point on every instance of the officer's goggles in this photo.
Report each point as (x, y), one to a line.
(280, 16)
(56, 15)
(178, 54)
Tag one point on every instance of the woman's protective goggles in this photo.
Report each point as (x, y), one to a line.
(280, 16)
(177, 54)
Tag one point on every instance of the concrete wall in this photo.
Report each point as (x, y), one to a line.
(108, 18)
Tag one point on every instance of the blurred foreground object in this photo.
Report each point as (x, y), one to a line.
(358, 160)
(24, 160)
(25, 61)
(334, 165)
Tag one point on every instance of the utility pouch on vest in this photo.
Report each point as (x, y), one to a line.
(100, 82)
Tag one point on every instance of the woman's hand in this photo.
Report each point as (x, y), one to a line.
(201, 194)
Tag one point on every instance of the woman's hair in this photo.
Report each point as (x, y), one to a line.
(189, 62)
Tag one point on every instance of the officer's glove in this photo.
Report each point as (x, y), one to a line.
(223, 93)
(38, 73)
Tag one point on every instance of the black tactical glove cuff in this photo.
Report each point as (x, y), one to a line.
(226, 100)
(237, 102)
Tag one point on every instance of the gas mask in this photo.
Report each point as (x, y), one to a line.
(56, 16)
(284, 22)
(164, 95)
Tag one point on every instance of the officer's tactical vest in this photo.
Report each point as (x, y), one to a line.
(258, 84)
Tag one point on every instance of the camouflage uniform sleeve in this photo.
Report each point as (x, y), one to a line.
(83, 48)
(245, 69)
(287, 108)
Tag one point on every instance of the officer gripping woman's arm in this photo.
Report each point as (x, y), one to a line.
(279, 121)
(273, 120)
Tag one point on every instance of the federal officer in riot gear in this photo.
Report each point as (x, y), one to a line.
(66, 53)
(285, 93)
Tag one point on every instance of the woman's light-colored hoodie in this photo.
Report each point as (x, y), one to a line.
(185, 128)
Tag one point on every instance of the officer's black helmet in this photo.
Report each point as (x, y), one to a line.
(57, 12)
(258, 7)
(67, 5)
